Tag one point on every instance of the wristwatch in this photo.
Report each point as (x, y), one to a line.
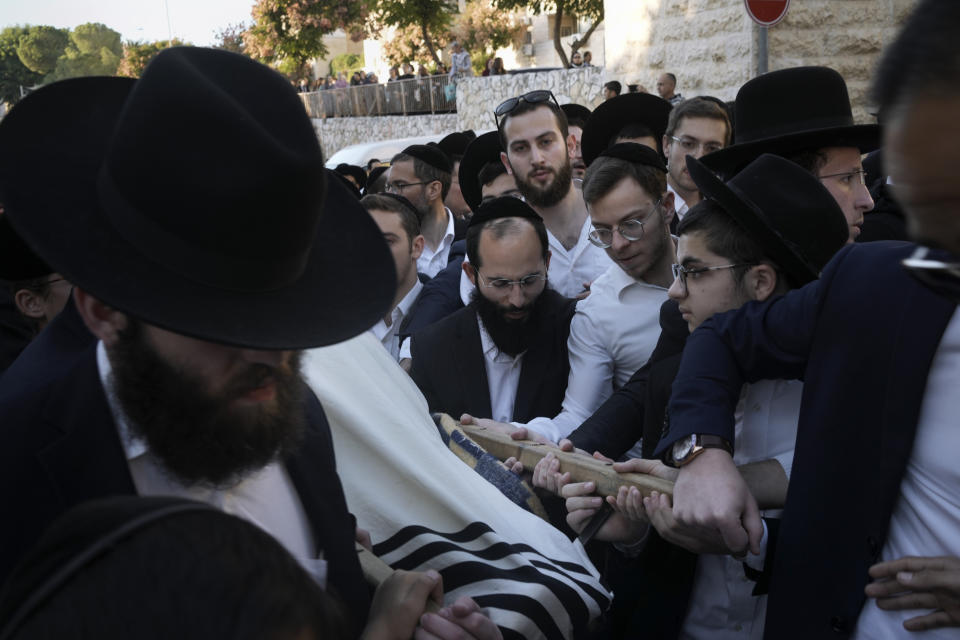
(689, 447)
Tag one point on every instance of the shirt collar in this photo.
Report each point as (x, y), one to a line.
(133, 446)
(409, 299)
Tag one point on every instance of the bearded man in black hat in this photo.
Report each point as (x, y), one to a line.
(197, 274)
(803, 114)
(868, 545)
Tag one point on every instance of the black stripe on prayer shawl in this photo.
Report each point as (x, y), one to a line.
(423, 555)
(472, 531)
(525, 606)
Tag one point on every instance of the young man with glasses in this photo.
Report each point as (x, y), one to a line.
(422, 175)
(505, 354)
(616, 327)
(536, 147)
(749, 240)
(696, 127)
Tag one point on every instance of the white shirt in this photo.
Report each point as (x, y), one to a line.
(387, 335)
(503, 376)
(266, 497)
(612, 334)
(432, 261)
(679, 204)
(568, 270)
(721, 603)
(926, 520)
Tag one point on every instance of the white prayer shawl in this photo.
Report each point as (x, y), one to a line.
(426, 509)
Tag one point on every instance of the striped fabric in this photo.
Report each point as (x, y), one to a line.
(426, 509)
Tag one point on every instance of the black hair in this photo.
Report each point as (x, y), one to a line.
(810, 160)
(427, 173)
(634, 130)
(409, 216)
(490, 172)
(724, 237)
(527, 107)
(500, 228)
(923, 60)
(614, 86)
(605, 173)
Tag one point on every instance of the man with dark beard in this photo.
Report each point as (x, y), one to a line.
(505, 354)
(196, 268)
(537, 146)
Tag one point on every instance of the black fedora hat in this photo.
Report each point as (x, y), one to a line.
(455, 144)
(575, 113)
(486, 148)
(783, 208)
(17, 261)
(352, 170)
(195, 199)
(788, 111)
(610, 117)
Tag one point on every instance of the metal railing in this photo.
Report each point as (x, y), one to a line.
(430, 94)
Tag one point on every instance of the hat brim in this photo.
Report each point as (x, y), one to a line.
(730, 160)
(753, 221)
(483, 149)
(613, 115)
(347, 284)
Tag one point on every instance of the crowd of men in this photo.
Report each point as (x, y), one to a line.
(719, 295)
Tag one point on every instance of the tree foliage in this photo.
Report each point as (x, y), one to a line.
(230, 38)
(429, 19)
(289, 33)
(13, 73)
(482, 29)
(407, 45)
(94, 49)
(590, 9)
(136, 55)
(41, 46)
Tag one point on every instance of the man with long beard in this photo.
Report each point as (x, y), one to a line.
(197, 242)
(505, 354)
(537, 146)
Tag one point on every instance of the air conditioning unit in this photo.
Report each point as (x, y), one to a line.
(528, 49)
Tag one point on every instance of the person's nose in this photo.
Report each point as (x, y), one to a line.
(864, 201)
(677, 290)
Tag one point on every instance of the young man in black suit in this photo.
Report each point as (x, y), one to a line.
(505, 353)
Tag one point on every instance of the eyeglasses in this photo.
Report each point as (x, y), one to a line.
(508, 106)
(941, 277)
(398, 187)
(680, 272)
(631, 230)
(847, 176)
(504, 285)
(691, 145)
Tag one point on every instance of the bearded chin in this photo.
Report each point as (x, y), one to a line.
(551, 194)
(201, 438)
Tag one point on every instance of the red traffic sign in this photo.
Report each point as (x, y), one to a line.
(766, 13)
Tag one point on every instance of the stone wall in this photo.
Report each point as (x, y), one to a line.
(711, 45)
(337, 133)
(478, 97)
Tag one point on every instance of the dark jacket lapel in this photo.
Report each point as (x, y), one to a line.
(471, 366)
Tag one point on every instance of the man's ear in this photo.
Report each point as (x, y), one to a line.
(506, 162)
(416, 249)
(669, 208)
(102, 321)
(434, 191)
(762, 281)
(470, 271)
(664, 144)
(29, 303)
(571, 145)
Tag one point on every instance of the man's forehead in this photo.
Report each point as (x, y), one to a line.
(531, 125)
(402, 168)
(849, 155)
(696, 126)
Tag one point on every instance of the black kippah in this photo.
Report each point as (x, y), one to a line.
(404, 202)
(503, 207)
(433, 156)
(635, 153)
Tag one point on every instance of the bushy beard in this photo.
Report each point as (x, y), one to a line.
(510, 336)
(550, 195)
(202, 437)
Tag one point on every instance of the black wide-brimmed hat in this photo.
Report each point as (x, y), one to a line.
(784, 209)
(195, 199)
(611, 116)
(486, 148)
(787, 111)
(17, 261)
(455, 144)
(352, 170)
(575, 112)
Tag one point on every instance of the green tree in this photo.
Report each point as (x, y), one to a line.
(289, 33)
(407, 45)
(41, 46)
(13, 73)
(94, 50)
(590, 9)
(136, 55)
(482, 29)
(430, 18)
(230, 38)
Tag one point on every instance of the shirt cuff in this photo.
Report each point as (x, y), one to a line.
(405, 349)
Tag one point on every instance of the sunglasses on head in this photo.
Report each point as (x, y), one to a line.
(510, 105)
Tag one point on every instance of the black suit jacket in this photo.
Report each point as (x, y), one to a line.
(61, 447)
(449, 368)
(866, 330)
(440, 296)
